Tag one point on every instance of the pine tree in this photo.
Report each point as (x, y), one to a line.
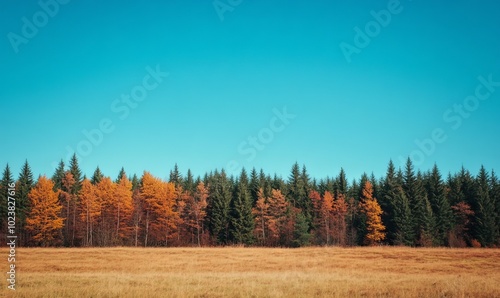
(241, 223)
(298, 191)
(97, 176)
(440, 206)
(254, 186)
(495, 198)
(74, 168)
(189, 184)
(175, 176)
(412, 186)
(218, 208)
(342, 185)
(120, 175)
(387, 201)
(24, 185)
(403, 233)
(302, 237)
(58, 176)
(44, 221)
(485, 228)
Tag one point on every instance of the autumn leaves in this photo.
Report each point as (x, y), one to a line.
(155, 212)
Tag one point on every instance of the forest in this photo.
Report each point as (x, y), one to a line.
(406, 207)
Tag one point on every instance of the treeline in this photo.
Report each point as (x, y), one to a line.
(406, 207)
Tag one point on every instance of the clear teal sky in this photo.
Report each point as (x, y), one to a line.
(229, 70)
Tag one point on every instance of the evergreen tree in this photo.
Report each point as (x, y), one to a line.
(342, 183)
(58, 176)
(97, 176)
(189, 184)
(495, 198)
(387, 201)
(412, 186)
(136, 183)
(440, 206)
(254, 186)
(241, 223)
(24, 185)
(298, 186)
(74, 169)
(218, 207)
(302, 237)
(175, 176)
(485, 228)
(120, 175)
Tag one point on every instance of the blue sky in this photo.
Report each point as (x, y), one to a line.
(228, 77)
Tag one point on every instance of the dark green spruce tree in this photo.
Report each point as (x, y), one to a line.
(74, 169)
(485, 229)
(120, 175)
(58, 176)
(175, 176)
(495, 197)
(218, 207)
(97, 176)
(24, 185)
(413, 188)
(440, 206)
(241, 223)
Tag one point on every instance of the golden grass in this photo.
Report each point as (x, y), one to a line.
(255, 272)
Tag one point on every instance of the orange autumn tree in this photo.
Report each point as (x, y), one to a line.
(44, 220)
(339, 224)
(196, 211)
(261, 215)
(105, 191)
(152, 190)
(322, 207)
(370, 207)
(159, 199)
(277, 210)
(90, 210)
(123, 207)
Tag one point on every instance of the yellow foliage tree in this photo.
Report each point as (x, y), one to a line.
(123, 207)
(90, 209)
(44, 220)
(370, 207)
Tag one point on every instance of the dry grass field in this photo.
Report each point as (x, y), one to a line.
(255, 272)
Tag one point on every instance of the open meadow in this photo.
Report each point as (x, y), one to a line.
(255, 272)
